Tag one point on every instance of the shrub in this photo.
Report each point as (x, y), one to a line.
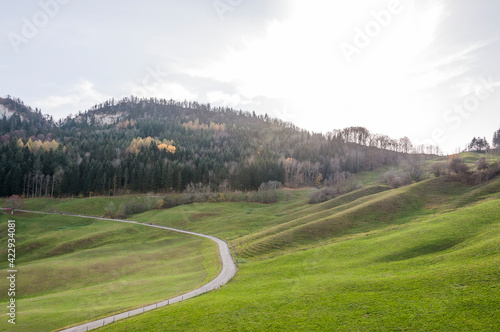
(414, 168)
(458, 166)
(150, 201)
(396, 179)
(134, 207)
(110, 210)
(482, 164)
(322, 195)
(438, 169)
(198, 188)
(463, 173)
(270, 185)
(412, 171)
(492, 171)
(269, 197)
(169, 202)
(159, 203)
(342, 187)
(478, 177)
(14, 202)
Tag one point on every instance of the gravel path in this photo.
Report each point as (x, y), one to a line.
(227, 272)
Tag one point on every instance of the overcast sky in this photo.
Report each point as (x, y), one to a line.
(423, 69)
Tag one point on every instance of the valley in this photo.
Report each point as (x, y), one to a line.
(419, 257)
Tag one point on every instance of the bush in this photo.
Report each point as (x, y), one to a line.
(414, 168)
(134, 207)
(412, 171)
(439, 169)
(14, 202)
(342, 186)
(150, 202)
(322, 195)
(110, 210)
(485, 172)
(235, 197)
(478, 177)
(458, 166)
(170, 202)
(482, 164)
(198, 188)
(396, 179)
(268, 197)
(270, 185)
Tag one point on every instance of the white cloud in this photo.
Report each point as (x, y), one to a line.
(464, 54)
(447, 68)
(420, 63)
(299, 61)
(162, 89)
(54, 102)
(226, 99)
(78, 98)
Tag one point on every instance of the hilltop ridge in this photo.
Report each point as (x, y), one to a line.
(114, 148)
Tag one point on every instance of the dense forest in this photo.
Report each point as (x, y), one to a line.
(158, 145)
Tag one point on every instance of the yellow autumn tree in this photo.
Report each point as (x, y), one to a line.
(125, 124)
(50, 146)
(196, 125)
(138, 143)
(36, 145)
(318, 180)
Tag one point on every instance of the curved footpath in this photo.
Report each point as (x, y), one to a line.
(227, 272)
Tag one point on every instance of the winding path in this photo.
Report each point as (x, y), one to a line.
(227, 272)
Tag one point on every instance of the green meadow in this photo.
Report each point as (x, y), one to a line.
(94, 206)
(424, 257)
(72, 270)
(419, 258)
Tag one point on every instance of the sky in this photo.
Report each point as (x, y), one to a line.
(424, 69)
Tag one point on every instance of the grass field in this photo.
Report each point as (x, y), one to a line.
(94, 206)
(431, 263)
(73, 270)
(419, 258)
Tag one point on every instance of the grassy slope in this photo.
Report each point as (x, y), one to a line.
(229, 220)
(370, 275)
(73, 270)
(430, 265)
(95, 206)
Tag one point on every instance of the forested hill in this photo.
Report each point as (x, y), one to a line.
(144, 145)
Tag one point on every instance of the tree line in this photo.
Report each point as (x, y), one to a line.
(138, 145)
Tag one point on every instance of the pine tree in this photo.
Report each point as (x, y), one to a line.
(169, 179)
(496, 139)
(179, 181)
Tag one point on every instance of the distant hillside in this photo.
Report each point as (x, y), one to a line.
(144, 145)
(20, 120)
